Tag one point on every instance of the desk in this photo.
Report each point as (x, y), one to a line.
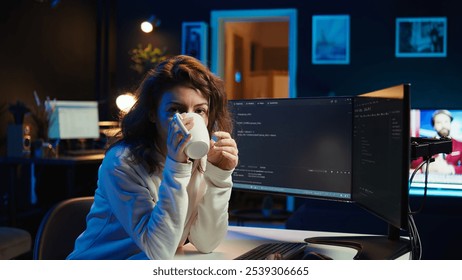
(70, 163)
(14, 164)
(242, 239)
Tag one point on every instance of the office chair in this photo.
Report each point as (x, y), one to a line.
(60, 227)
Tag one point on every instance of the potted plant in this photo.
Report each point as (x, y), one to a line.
(145, 58)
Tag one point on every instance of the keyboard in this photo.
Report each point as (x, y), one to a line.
(282, 250)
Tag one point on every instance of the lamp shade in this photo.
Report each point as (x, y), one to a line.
(74, 120)
(125, 102)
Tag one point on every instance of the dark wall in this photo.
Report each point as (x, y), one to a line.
(373, 65)
(65, 51)
(61, 51)
(51, 50)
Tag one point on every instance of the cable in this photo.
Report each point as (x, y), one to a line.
(424, 197)
(416, 244)
(414, 237)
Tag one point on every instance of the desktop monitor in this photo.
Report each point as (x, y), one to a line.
(74, 120)
(348, 149)
(441, 181)
(382, 153)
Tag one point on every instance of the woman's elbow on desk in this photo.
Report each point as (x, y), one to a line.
(206, 243)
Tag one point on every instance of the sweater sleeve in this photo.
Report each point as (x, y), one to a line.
(211, 223)
(155, 226)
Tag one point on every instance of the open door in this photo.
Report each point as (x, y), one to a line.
(255, 52)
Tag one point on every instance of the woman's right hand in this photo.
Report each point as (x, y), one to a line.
(176, 141)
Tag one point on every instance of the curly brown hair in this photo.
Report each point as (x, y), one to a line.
(138, 132)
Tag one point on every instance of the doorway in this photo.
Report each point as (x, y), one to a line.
(255, 52)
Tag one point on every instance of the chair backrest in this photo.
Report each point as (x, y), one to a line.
(60, 227)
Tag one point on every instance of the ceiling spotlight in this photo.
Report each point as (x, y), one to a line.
(149, 25)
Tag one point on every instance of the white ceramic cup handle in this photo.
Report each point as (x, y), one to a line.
(177, 119)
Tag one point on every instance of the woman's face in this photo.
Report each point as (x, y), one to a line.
(179, 99)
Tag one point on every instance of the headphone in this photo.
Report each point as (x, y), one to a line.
(437, 112)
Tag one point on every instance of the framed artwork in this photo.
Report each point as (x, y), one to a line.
(331, 39)
(421, 37)
(194, 40)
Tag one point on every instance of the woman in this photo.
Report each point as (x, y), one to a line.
(150, 197)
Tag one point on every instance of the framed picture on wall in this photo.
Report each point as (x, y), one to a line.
(421, 37)
(194, 40)
(331, 39)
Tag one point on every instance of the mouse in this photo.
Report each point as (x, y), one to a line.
(315, 256)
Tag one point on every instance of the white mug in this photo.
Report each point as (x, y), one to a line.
(199, 144)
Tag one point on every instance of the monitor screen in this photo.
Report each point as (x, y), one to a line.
(294, 146)
(445, 173)
(74, 120)
(422, 124)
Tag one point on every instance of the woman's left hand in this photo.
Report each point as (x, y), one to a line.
(223, 152)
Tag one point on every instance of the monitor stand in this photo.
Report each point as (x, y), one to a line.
(369, 247)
